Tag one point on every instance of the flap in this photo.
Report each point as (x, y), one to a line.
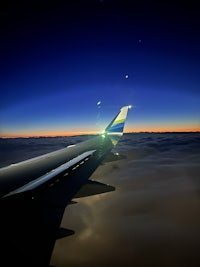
(94, 188)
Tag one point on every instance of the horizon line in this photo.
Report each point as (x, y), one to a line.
(92, 133)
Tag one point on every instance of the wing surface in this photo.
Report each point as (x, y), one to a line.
(35, 193)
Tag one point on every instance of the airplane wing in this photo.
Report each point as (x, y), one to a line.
(34, 194)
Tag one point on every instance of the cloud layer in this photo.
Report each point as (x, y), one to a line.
(152, 219)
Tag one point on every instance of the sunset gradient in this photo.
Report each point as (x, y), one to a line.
(69, 71)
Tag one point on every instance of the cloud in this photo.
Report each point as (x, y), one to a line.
(152, 219)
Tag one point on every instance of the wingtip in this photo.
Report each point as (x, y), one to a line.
(127, 107)
(116, 128)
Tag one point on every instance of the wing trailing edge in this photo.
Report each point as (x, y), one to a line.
(47, 178)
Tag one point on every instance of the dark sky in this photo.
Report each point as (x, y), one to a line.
(60, 58)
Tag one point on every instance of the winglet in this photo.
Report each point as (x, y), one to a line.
(116, 126)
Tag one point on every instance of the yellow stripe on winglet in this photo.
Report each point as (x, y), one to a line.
(118, 121)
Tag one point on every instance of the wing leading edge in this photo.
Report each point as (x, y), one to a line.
(34, 194)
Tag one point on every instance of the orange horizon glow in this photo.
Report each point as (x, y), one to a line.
(128, 130)
(164, 129)
(46, 134)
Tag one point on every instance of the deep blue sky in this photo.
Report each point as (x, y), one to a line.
(59, 59)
